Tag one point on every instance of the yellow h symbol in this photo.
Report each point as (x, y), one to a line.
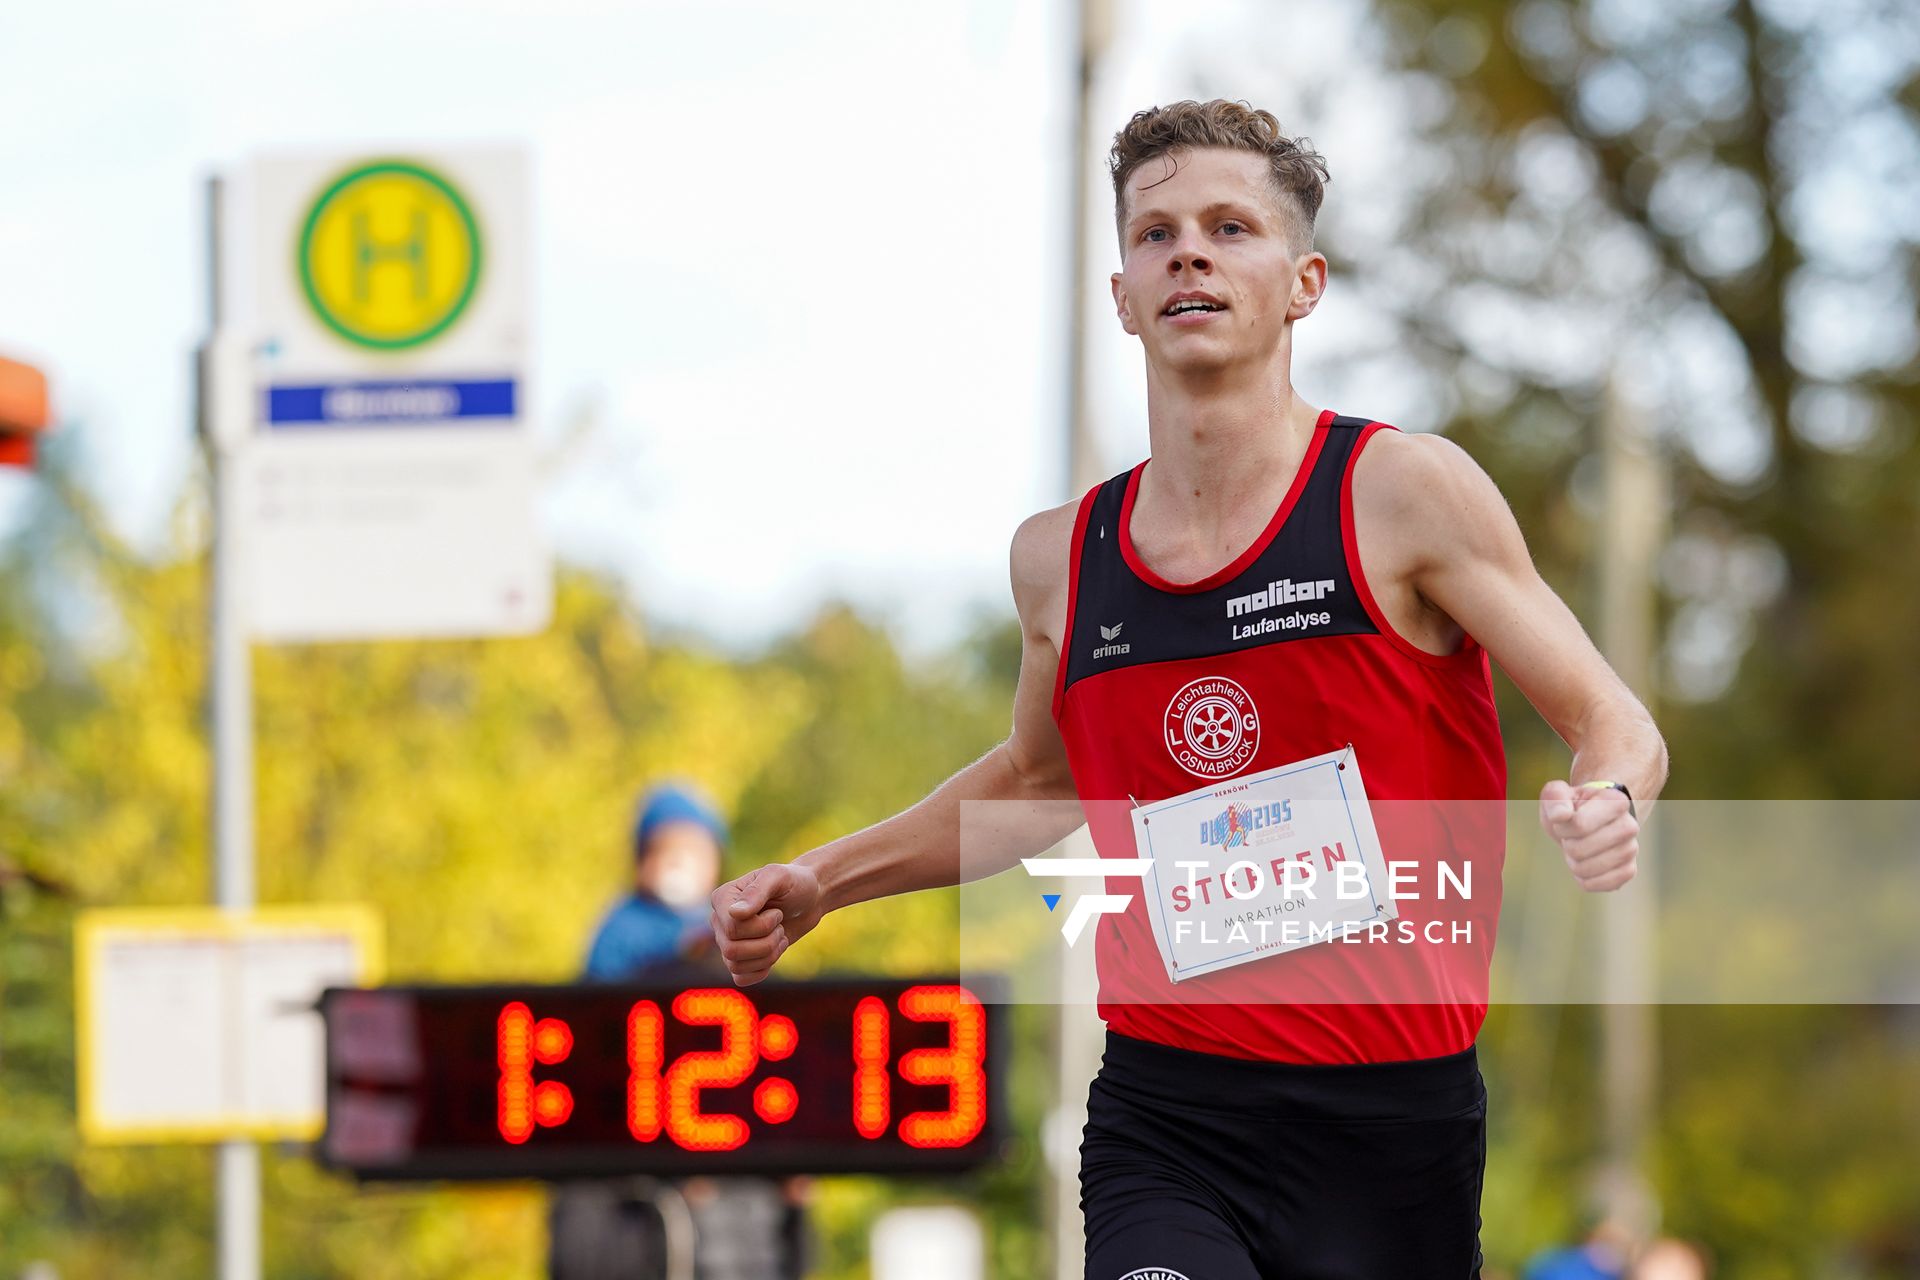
(369, 253)
(389, 255)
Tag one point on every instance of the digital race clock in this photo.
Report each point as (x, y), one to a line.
(568, 1081)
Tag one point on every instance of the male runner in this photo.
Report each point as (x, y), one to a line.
(1265, 1137)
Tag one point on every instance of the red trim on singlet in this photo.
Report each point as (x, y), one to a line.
(1245, 558)
(1469, 650)
(1080, 519)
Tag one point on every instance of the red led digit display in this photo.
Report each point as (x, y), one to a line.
(646, 1059)
(774, 1100)
(732, 1062)
(871, 1087)
(782, 1077)
(960, 1066)
(778, 1036)
(523, 1042)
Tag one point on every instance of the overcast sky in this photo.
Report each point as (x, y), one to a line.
(800, 265)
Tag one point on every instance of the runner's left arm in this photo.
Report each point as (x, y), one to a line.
(1465, 557)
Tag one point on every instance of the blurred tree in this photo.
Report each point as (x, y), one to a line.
(1707, 206)
(478, 793)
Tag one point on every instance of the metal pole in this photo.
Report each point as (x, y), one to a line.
(1078, 1035)
(677, 1227)
(1092, 30)
(238, 1191)
(1633, 527)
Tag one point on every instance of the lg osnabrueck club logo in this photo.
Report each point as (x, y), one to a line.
(1212, 727)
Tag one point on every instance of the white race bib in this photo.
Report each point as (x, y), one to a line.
(1262, 864)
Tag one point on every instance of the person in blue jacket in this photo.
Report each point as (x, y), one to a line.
(677, 839)
(733, 1228)
(1602, 1256)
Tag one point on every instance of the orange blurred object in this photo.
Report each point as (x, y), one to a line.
(23, 411)
(23, 397)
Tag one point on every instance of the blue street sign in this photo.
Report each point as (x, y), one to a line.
(420, 401)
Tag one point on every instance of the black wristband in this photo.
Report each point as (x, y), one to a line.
(1621, 787)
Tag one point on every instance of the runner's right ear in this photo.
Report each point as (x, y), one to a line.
(1123, 308)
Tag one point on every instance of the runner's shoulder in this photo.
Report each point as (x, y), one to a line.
(1425, 485)
(1038, 561)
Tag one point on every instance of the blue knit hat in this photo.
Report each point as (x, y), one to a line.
(675, 802)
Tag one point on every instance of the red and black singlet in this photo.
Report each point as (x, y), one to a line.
(1281, 655)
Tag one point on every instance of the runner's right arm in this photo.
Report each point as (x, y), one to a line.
(759, 915)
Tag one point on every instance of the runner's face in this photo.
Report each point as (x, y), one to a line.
(1214, 228)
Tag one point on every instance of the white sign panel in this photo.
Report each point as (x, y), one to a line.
(360, 533)
(928, 1242)
(382, 303)
(196, 1025)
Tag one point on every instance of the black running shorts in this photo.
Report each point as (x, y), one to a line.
(1197, 1166)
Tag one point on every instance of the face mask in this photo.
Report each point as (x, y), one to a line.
(682, 887)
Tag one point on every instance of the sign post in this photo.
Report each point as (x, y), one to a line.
(361, 399)
(223, 420)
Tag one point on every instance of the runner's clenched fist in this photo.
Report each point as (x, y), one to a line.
(758, 916)
(1596, 831)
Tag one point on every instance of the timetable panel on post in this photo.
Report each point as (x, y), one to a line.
(524, 1081)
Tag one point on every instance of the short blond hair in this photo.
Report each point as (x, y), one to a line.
(1299, 172)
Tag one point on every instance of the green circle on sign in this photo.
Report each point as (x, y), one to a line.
(389, 255)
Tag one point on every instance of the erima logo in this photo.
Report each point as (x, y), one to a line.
(1285, 591)
(1110, 649)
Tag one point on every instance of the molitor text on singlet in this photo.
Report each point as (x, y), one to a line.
(1282, 592)
(1212, 727)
